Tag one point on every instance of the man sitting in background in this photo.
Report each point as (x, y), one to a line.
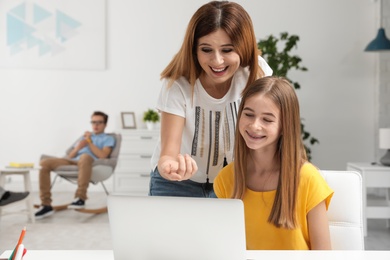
(7, 197)
(91, 146)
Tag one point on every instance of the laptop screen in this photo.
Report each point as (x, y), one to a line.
(159, 228)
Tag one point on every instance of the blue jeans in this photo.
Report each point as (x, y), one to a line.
(162, 187)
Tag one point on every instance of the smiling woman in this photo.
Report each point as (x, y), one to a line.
(199, 99)
(219, 62)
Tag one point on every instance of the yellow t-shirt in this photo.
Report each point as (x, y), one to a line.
(260, 234)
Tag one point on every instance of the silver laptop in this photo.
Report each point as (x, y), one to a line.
(176, 228)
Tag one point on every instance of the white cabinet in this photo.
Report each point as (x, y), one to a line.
(374, 176)
(132, 173)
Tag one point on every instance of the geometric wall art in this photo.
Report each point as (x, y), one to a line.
(55, 34)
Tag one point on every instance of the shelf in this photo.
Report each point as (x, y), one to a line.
(132, 175)
(378, 203)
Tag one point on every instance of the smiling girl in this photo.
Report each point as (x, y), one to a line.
(285, 197)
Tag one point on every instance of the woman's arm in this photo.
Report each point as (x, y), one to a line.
(318, 226)
(172, 165)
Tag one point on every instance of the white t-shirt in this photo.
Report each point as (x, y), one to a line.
(210, 124)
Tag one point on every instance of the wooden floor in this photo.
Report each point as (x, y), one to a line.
(70, 229)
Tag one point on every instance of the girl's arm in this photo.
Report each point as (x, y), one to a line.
(172, 165)
(318, 226)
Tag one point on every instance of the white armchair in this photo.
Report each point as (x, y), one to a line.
(102, 169)
(345, 213)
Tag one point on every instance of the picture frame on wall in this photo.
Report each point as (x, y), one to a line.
(128, 120)
(53, 34)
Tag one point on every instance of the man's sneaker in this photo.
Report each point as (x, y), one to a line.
(44, 212)
(77, 204)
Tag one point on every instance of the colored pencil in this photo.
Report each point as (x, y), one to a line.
(12, 257)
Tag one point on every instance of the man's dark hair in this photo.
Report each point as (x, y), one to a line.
(104, 115)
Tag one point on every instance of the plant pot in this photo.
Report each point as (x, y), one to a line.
(149, 125)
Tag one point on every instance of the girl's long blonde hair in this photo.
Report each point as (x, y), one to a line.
(290, 150)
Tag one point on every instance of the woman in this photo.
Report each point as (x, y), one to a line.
(198, 102)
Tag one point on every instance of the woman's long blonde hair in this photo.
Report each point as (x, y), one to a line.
(290, 150)
(235, 21)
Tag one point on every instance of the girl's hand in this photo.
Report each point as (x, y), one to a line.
(183, 168)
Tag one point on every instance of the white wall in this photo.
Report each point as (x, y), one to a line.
(43, 111)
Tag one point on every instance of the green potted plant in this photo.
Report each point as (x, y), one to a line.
(151, 117)
(281, 62)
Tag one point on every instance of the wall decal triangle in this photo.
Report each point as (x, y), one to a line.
(64, 21)
(44, 48)
(40, 14)
(17, 30)
(19, 11)
(32, 41)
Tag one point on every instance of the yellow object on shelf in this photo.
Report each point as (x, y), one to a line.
(21, 165)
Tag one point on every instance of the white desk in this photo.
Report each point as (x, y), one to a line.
(253, 255)
(63, 254)
(374, 176)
